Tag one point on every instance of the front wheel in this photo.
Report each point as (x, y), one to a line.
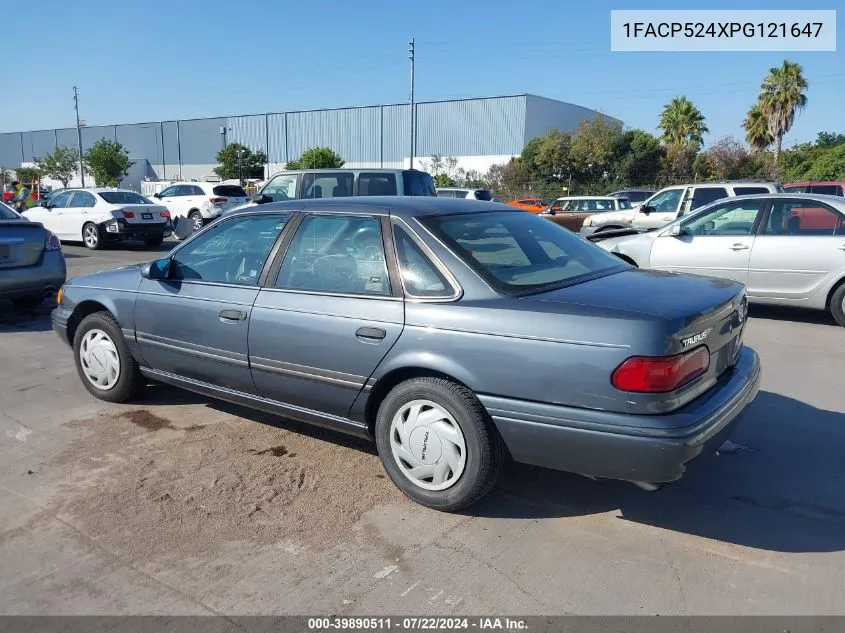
(837, 305)
(103, 360)
(437, 443)
(92, 237)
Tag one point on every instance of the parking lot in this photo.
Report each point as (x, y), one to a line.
(177, 504)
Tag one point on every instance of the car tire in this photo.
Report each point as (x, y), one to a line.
(196, 219)
(837, 305)
(28, 303)
(103, 360)
(457, 465)
(154, 242)
(92, 237)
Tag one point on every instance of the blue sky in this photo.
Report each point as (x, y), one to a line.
(152, 60)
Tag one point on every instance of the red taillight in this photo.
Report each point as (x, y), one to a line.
(128, 214)
(52, 243)
(165, 214)
(218, 201)
(659, 374)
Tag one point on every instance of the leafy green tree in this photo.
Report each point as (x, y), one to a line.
(683, 124)
(27, 175)
(249, 165)
(727, 159)
(443, 180)
(828, 164)
(756, 126)
(60, 164)
(317, 158)
(594, 149)
(108, 162)
(638, 159)
(829, 139)
(677, 165)
(549, 158)
(510, 180)
(782, 97)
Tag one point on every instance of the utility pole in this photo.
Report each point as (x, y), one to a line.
(411, 57)
(78, 134)
(240, 167)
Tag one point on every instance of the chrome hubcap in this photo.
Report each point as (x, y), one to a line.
(90, 236)
(99, 358)
(428, 445)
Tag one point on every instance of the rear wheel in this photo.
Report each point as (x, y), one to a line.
(28, 303)
(437, 443)
(837, 305)
(196, 220)
(154, 242)
(92, 237)
(103, 360)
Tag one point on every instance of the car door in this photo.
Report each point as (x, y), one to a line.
(800, 248)
(323, 324)
(717, 242)
(171, 198)
(51, 216)
(660, 209)
(194, 324)
(78, 210)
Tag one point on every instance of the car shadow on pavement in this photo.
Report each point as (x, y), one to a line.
(34, 320)
(777, 486)
(790, 313)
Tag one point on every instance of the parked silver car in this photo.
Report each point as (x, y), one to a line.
(453, 332)
(788, 249)
(32, 266)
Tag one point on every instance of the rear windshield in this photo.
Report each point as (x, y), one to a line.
(518, 253)
(483, 194)
(6, 213)
(123, 197)
(230, 191)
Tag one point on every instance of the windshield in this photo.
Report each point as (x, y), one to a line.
(6, 213)
(124, 197)
(520, 252)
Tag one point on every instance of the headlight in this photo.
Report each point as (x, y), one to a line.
(588, 221)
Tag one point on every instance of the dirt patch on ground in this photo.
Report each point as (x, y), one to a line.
(180, 491)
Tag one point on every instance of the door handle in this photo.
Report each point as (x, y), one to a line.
(739, 247)
(371, 333)
(232, 315)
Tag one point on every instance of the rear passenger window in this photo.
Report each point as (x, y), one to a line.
(706, 195)
(370, 184)
(803, 218)
(828, 190)
(336, 254)
(418, 183)
(747, 191)
(327, 185)
(419, 275)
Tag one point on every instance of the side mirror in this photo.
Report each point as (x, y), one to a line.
(261, 198)
(673, 231)
(158, 269)
(646, 209)
(157, 195)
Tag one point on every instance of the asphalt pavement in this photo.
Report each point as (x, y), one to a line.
(164, 507)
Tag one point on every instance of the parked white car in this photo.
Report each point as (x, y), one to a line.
(465, 193)
(200, 202)
(99, 215)
(788, 249)
(673, 202)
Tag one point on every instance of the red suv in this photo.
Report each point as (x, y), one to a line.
(832, 188)
(816, 219)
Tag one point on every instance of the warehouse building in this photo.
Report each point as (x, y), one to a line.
(478, 132)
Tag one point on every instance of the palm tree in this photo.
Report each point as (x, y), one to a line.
(757, 129)
(682, 123)
(781, 98)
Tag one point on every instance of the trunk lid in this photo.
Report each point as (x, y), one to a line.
(21, 243)
(142, 213)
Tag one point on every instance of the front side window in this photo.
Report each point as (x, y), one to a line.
(282, 187)
(169, 192)
(803, 217)
(124, 197)
(667, 201)
(327, 185)
(232, 252)
(734, 218)
(60, 201)
(338, 254)
(706, 195)
(376, 184)
(520, 252)
(420, 276)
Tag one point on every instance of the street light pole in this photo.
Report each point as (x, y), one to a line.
(78, 134)
(411, 54)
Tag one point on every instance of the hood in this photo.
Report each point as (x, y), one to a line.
(649, 292)
(124, 278)
(609, 244)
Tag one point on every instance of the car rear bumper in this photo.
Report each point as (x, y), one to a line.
(122, 230)
(43, 278)
(606, 445)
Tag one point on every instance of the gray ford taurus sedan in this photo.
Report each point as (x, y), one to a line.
(453, 333)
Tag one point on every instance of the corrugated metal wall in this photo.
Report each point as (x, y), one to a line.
(366, 136)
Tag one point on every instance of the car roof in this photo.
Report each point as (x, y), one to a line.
(811, 183)
(615, 193)
(817, 197)
(401, 206)
(100, 189)
(386, 170)
(587, 198)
